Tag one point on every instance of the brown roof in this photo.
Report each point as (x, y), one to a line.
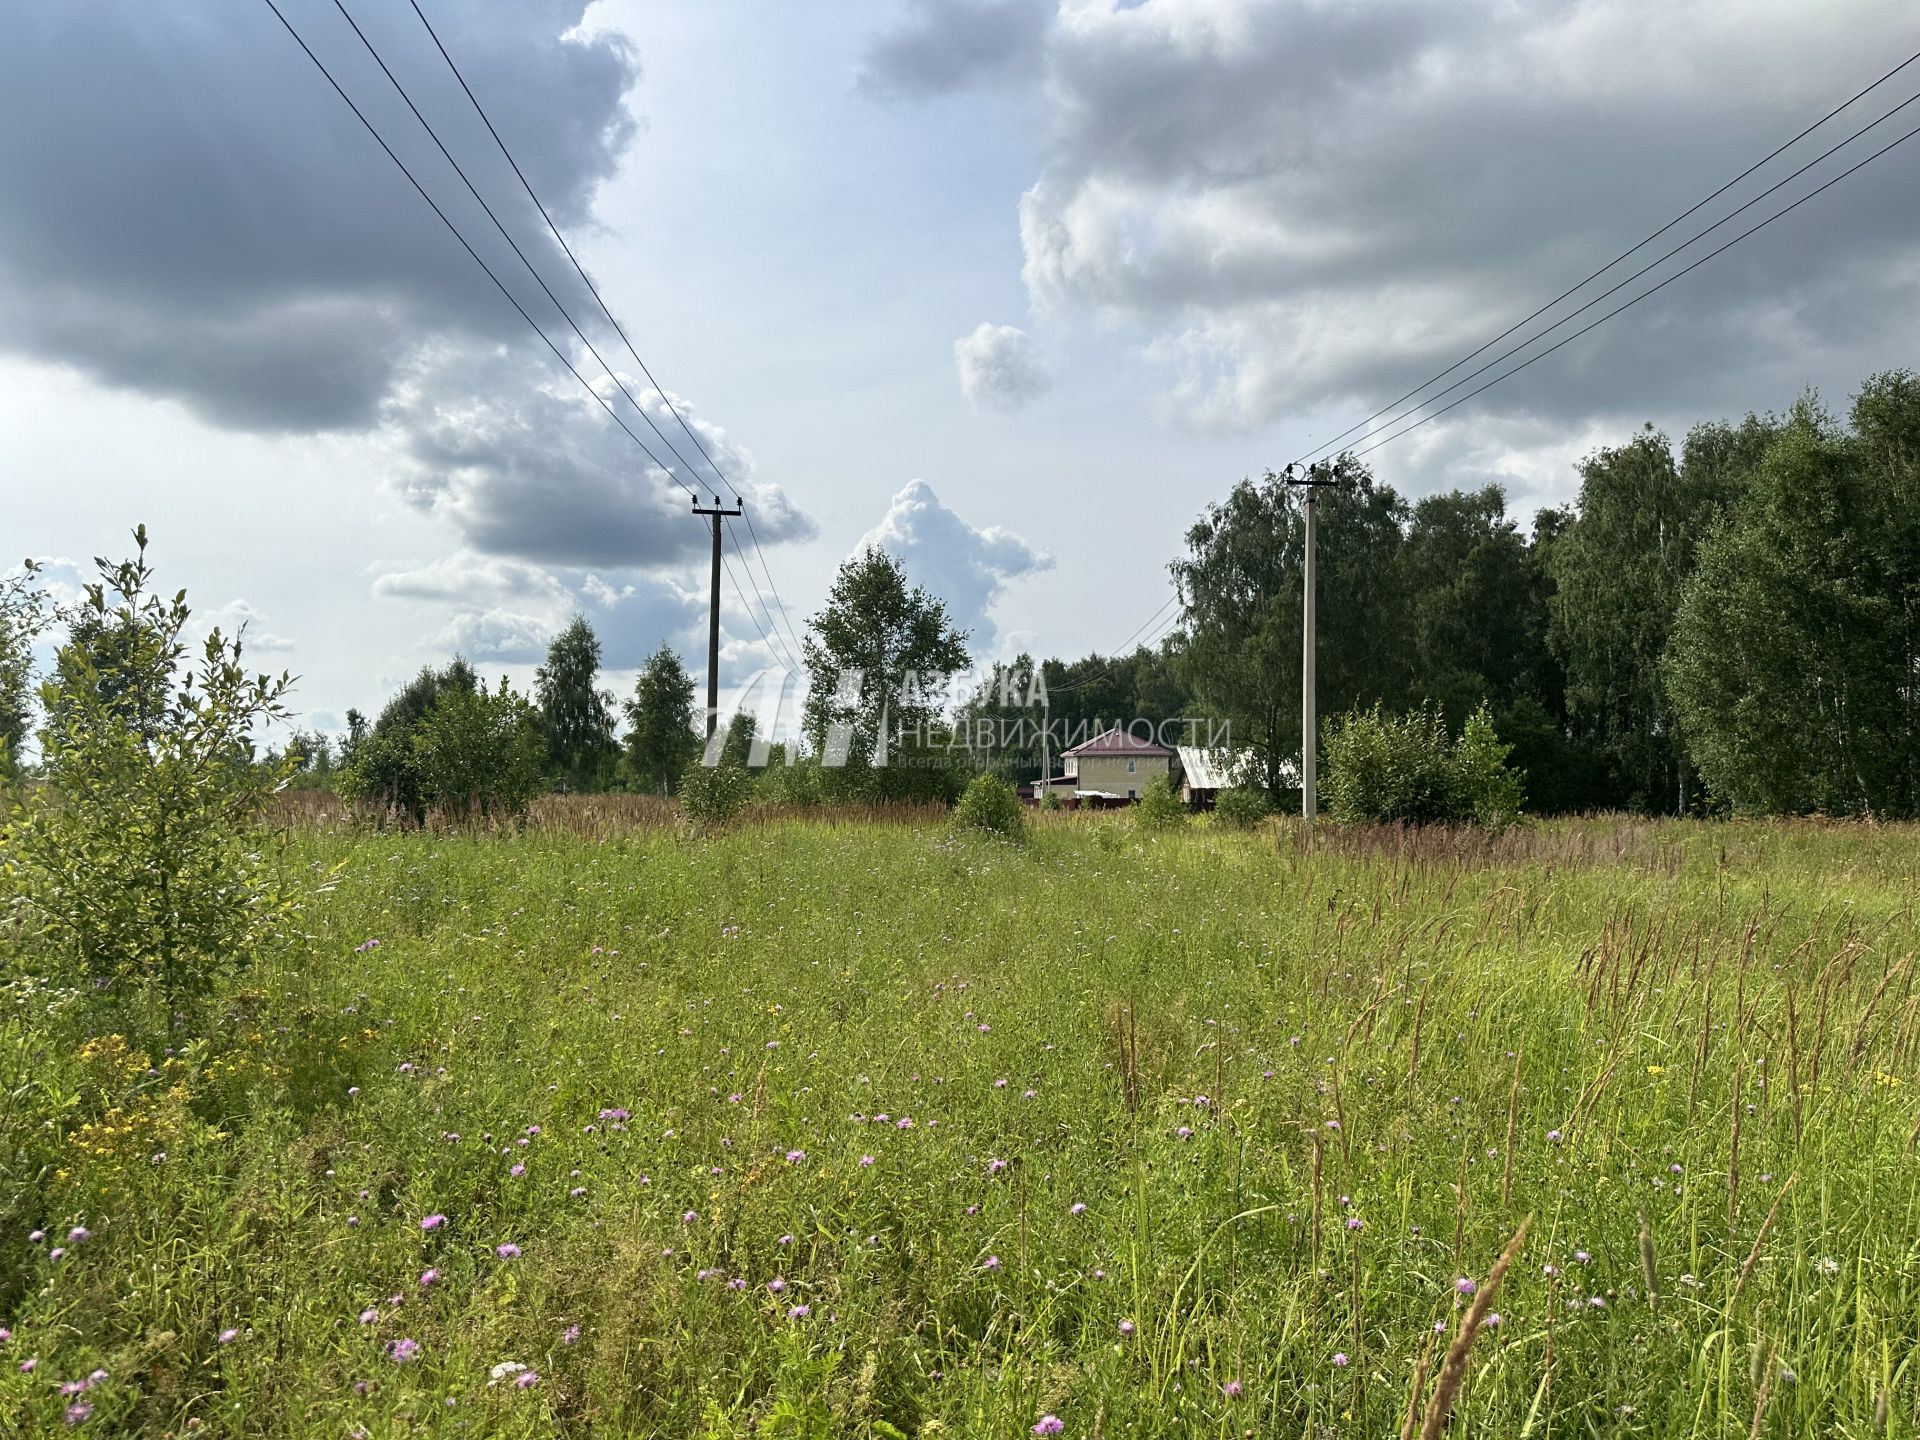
(1117, 742)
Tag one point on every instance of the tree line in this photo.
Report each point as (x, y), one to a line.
(1731, 622)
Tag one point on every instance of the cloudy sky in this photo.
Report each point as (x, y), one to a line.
(1010, 287)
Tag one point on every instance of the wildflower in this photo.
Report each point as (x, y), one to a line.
(517, 1171)
(1000, 1084)
(570, 1335)
(994, 1167)
(1583, 1257)
(1340, 1359)
(34, 1237)
(433, 1222)
(79, 1235)
(503, 1370)
(1597, 1303)
(1049, 1425)
(428, 1278)
(776, 1285)
(1553, 1137)
(1333, 1124)
(1185, 1132)
(508, 1251)
(1126, 1327)
(992, 1262)
(903, 1123)
(1827, 1265)
(366, 945)
(1231, 1389)
(369, 1316)
(785, 1240)
(1077, 1208)
(866, 1160)
(794, 1157)
(30, 1364)
(352, 1221)
(798, 1312)
(1354, 1222)
(78, 1412)
(228, 1336)
(577, 1191)
(692, 1217)
(1464, 1285)
(352, 1090)
(526, 1380)
(58, 1252)
(736, 1283)
(403, 1350)
(1492, 1322)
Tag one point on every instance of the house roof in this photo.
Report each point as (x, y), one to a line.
(1207, 769)
(1117, 742)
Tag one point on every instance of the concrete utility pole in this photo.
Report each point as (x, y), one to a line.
(718, 512)
(1315, 477)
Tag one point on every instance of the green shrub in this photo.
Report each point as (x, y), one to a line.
(1242, 807)
(711, 795)
(1050, 799)
(138, 860)
(1406, 769)
(479, 754)
(1159, 807)
(990, 803)
(784, 784)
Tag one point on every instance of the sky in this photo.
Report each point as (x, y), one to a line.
(1013, 288)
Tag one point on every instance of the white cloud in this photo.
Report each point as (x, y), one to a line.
(1000, 367)
(968, 568)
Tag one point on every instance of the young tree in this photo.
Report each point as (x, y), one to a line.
(577, 718)
(479, 754)
(24, 613)
(877, 654)
(381, 763)
(663, 738)
(137, 857)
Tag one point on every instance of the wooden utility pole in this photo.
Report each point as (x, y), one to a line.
(717, 512)
(1316, 476)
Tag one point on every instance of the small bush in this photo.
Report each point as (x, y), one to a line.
(1241, 807)
(1050, 799)
(794, 784)
(711, 795)
(479, 754)
(1159, 807)
(1406, 769)
(990, 803)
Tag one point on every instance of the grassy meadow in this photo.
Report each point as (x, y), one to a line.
(873, 1129)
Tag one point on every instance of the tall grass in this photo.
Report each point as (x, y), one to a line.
(700, 1053)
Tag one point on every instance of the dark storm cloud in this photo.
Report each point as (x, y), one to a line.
(1303, 210)
(191, 212)
(945, 45)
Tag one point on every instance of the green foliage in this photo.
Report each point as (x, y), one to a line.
(479, 754)
(789, 781)
(25, 611)
(662, 739)
(136, 860)
(878, 654)
(1240, 583)
(577, 719)
(1160, 808)
(1797, 641)
(990, 803)
(1405, 768)
(381, 763)
(711, 795)
(1050, 799)
(1241, 807)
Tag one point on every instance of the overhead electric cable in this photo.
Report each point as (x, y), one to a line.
(455, 229)
(1643, 295)
(540, 280)
(605, 310)
(1618, 286)
(1565, 294)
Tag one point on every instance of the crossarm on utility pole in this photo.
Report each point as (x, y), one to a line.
(718, 512)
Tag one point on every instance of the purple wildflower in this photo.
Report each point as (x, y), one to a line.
(228, 1336)
(1049, 1425)
(526, 1380)
(433, 1222)
(403, 1350)
(509, 1251)
(1340, 1359)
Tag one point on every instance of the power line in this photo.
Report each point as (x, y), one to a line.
(1655, 264)
(500, 285)
(1613, 262)
(533, 270)
(455, 230)
(1120, 653)
(1643, 295)
(605, 310)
